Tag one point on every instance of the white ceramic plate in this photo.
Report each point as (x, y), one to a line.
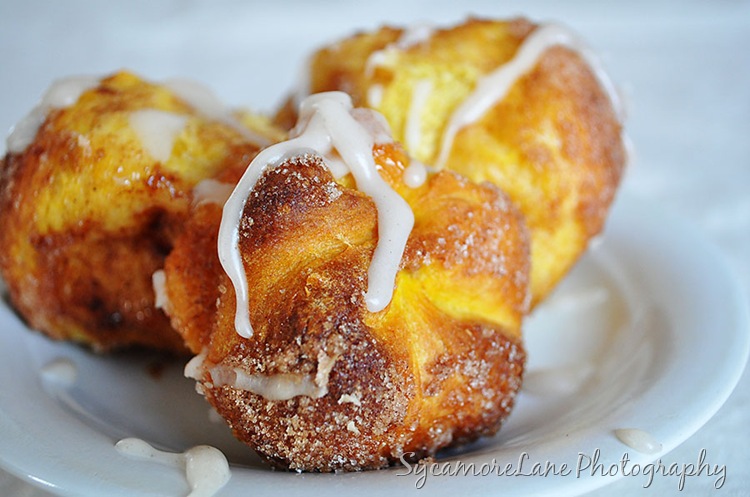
(649, 331)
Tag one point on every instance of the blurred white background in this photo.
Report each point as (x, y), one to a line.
(684, 67)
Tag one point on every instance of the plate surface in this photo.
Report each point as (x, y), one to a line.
(649, 331)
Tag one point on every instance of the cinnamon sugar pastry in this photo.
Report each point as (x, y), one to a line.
(363, 308)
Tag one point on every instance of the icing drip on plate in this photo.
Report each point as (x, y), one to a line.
(344, 137)
(640, 440)
(60, 371)
(206, 468)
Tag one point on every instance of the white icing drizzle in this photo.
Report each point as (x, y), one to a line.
(413, 128)
(493, 87)
(352, 427)
(157, 130)
(198, 96)
(159, 283)
(206, 468)
(415, 174)
(639, 440)
(23, 133)
(375, 124)
(410, 37)
(349, 398)
(210, 191)
(379, 58)
(61, 371)
(329, 126)
(282, 386)
(414, 35)
(194, 367)
(154, 128)
(62, 93)
(205, 102)
(375, 95)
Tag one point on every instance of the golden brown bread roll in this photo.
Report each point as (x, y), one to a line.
(95, 186)
(322, 382)
(523, 106)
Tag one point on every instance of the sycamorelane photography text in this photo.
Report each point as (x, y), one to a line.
(584, 466)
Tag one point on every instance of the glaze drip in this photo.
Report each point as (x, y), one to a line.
(62, 93)
(344, 137)
(206, 468)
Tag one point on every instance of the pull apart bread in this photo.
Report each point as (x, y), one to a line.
(360, 307)
(526, 107)
(95, 186)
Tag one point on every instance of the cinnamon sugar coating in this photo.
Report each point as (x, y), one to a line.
(440, 365)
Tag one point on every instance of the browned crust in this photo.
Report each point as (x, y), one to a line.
(85, 283)
(69, 273)
(561, 91)
(425, 377)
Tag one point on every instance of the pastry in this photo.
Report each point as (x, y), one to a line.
(524, 106)
(95, 186)
(360, 308)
